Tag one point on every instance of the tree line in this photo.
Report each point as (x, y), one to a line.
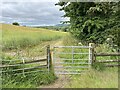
(93, 21)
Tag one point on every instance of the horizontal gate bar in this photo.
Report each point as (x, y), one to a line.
(72, 53)
(70, 63)
(71, 71)
(70, 59)
(72, 47)
(68, 73)
(70, 67)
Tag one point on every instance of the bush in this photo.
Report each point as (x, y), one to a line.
(16, 23)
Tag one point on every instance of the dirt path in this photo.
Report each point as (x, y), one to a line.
(33, 51)
(62, 80)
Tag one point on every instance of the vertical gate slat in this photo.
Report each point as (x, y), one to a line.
(72, 55)
(72, 48)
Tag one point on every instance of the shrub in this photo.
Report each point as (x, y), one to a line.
(16, 23)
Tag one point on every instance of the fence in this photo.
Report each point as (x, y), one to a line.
(95, 55)
(23, 66)
(107, 61)
(78, 60)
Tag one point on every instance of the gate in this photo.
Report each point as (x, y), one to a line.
(72, 59)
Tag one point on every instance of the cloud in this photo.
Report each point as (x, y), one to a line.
(30, 0)
(32, 13)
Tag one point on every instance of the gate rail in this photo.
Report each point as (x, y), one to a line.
(80, 64)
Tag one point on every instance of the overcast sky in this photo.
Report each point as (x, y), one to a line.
(31, 13)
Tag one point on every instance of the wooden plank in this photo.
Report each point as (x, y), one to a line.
(42, 66)
(41, 60)
(108, 61)
(26, 72)
(107, 54)
(21, 63)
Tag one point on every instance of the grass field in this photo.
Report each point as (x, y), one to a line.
(97, 77)
(29, 40)
(20, 37)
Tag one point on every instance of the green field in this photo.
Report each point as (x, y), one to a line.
(95, 79)
(29, 40)
(20, 37)
(98, 76)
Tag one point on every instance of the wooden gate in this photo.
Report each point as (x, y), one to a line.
(72, 59)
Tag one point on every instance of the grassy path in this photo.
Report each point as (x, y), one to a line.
(107, 78)
(62, 80)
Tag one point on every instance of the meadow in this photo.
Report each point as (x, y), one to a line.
(107, 78)
(28, 40)
(98, 75)
(14, 37)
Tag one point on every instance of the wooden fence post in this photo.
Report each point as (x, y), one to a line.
(93, 57)
(49, 59)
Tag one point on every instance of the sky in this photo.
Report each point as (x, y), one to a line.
(31, 12)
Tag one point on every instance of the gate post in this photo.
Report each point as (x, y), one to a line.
(49, 59)
(93, 57)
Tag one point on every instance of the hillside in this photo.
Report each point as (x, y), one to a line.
(18, 36)
(22, 28)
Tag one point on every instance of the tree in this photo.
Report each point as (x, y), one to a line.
(15, 23)
(91, 21)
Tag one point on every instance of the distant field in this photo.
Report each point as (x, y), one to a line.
(19, 37)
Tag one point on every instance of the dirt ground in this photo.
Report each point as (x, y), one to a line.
(62, 80)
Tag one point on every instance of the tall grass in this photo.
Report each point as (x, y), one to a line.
(100, 77)
(19, 37)
(95, 79)
(29, 79)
